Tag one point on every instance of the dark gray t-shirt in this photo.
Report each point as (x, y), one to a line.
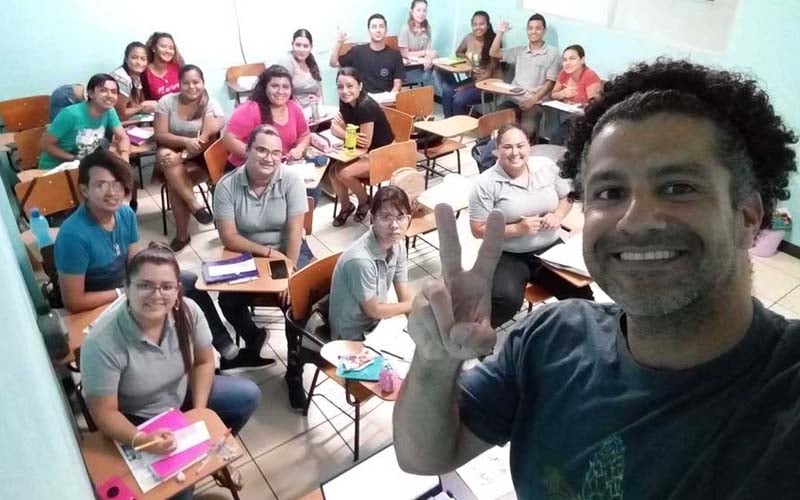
(586, 421)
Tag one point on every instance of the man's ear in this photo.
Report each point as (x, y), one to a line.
(84, 189)
(752, 210)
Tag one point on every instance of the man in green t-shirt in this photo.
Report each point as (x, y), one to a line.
(80, 128)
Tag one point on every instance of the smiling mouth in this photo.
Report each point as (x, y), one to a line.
(650, 256)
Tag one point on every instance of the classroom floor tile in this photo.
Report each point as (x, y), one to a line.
(770, 283)
(301, 464)
(274, 423)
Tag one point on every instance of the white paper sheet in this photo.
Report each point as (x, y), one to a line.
(391, 337)
(563, 106)
(384, 97)
(488, 475)
(568, 256)
(380, 477)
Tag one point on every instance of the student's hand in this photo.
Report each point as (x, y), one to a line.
(295, 154)
(341, 36)
(313, 98)
(528, 104)
(551, 221)
(530, 225)
(193, 146)
(569, 92)
(169, 158)
(477, 70)
(149, 106)
(361, 141)
(165, 446)
(339, 121)
(450, 319)
(503, 27)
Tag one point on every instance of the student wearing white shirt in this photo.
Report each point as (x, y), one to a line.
(415, 42)
(302, 65)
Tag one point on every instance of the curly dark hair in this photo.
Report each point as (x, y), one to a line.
(753, 142)
(259, 93)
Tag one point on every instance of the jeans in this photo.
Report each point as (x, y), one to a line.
(235, 305)
(62, 97)
(457, 96)
(234, 399)
(514, 271)
(220, 337)
(420, 76)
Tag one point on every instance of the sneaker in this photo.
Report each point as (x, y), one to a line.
(260, 338)
(297, 395)
(245, 360)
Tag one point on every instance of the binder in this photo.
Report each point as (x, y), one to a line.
(220, 271)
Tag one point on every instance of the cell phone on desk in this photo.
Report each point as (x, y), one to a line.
(278, 269)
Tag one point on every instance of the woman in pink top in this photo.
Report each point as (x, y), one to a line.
(270, 103)
(161, 76)
(576, 83)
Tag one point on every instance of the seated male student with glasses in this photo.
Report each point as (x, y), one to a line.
(369, 267)
(95, 242)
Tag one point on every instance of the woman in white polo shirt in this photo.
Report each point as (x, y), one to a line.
(533, 199)
(151, 351)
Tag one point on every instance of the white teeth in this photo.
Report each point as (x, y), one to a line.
(657, 255)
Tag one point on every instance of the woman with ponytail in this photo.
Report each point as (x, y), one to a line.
(306, 79)
(186, 124)
(151, 351)
(130, 100)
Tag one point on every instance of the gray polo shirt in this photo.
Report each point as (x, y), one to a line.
(362, 272)
(517, 199)
(147, 378)
(532, 68)
(261, 219)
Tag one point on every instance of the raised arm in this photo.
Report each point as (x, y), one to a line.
(450, 323)
(496, 50)
(341, 37)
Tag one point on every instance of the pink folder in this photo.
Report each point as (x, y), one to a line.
(168, 466)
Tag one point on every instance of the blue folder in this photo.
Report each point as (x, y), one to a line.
(228, 277)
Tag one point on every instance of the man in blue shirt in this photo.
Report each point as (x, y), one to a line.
(96, 241)
(688, 387)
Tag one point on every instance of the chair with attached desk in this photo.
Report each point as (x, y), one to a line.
(28, 151)
(306, 287)
(51, 194)
(400, 122)
(487, 125)
(216, 157)
(234, 72)
(384, 161)
(419, 104)
(22, 114)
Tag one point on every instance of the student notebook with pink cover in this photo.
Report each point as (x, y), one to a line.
(174, 420)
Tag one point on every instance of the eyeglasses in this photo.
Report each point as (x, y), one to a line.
(389, 218)
(108, 185)
(149, 288)
(262, 152)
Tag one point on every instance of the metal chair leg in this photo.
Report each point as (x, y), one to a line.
(357, 430)
(164, 207)
(311, 392)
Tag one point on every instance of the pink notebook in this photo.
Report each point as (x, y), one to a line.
(168, 466)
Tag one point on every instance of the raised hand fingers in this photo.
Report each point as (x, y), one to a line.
(450, 246)
(491, 247)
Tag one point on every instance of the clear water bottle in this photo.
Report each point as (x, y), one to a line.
(40, 229)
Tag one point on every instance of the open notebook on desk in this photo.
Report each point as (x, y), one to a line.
(150, 469)
(390, 338)
(568, 256)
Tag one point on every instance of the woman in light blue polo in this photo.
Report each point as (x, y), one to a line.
(151, 351)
